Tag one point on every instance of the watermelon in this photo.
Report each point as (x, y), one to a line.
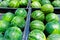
(3, 26)
(1, 36)
(53, 27)
(38, 15)
(23, 2)
(18, 21)
(21, 12)
(52, 17)
(53, 37)
(36, 35)
(8, 16)
(14, 4)
(47, 8)
(56, 3)
(35, 4)
(13, 33)
(4, 4)
(7, 0)
(36, 0)
(43, 2)
(36, 24)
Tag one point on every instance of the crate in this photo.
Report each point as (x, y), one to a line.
(27, 29)
(3, 11)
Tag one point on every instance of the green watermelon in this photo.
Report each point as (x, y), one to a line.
(23, 2)
(53, 27)
(13, 33)
(7, 0)
(21, 12)
(36, 35)
(3, 26)
(1, 36)
(15, 0)
(53, 37)
(56, 3)
(38, 15)
(14, 4)
(52, 17)
(0, 4)
(36, 24)
(8, 16)
(47, 8)
(18, 21)
(4, 4)
(35, 4)
(36, 0)
(43, 2)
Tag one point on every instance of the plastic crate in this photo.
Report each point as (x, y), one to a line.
(3, 11)
(29, 19)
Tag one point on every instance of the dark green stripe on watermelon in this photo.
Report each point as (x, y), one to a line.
(18, 21)
(53, 27)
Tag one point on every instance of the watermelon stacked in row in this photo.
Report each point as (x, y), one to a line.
(12, 25)
(45, 24)
(39, 3)
(14, 3)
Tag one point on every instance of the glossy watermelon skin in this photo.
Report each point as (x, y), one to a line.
(45, 2)
(38, 15)
(53, 27)
(52, 17)
(7, 0)
(1, 36)
(18, 21)
(14, 4)
(3, 26)
(56, 3)
(53, 37)
(13, 33)
(36, 35)
(21, 12)
(36, 24)
(8, 16)
(23, 2)
(36, 0)
(4, 4)
(35, 4)
(47, 8)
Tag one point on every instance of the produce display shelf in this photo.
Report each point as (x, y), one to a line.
(28, 18)
(10, 8)
(57, 8)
